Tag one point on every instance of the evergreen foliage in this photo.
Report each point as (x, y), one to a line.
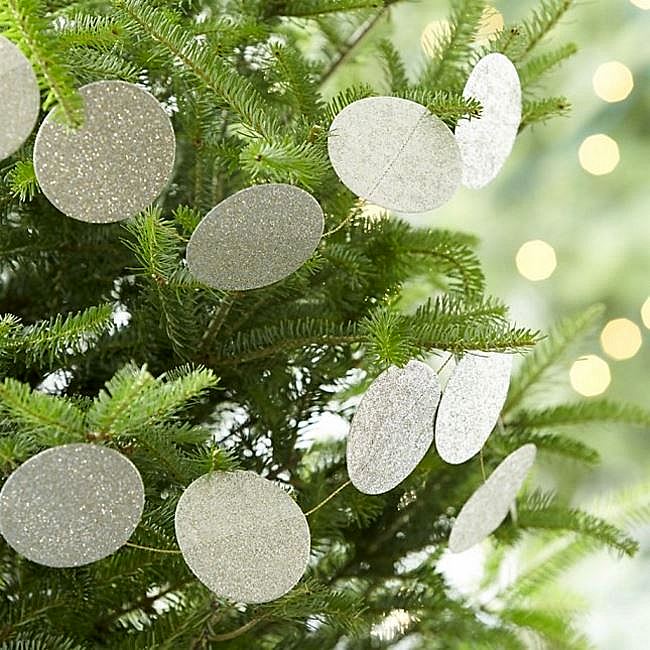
(106, 338)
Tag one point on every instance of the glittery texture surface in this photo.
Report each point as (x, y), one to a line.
(485, 143)
(486, 509)
(471, 403)
(395, 153)
(242, 536)
(19, 98)
(255, 237)
(71, 505)
(393, 427)
(116, 164)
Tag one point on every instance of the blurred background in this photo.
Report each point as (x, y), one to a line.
(565, 225)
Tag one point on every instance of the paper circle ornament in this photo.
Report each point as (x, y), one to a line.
(395, 153)
(116, 164)
(19, 98)
(392, 429)
(71, 505)
(486, 142)
(471, 404)
(255, 237)
(242, 536)
(486, 509)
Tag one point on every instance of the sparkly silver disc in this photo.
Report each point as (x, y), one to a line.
(255, 237)
(486, 509)
(242, 536)
(19, 98)
(71, 505)
(393, 427)
(395, 153)
(471, 403)
(116, 164)
(485, 143)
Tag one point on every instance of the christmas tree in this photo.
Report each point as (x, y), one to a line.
(107, 338)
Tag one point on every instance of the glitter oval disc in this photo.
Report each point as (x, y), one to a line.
(116, 164)
(486, 142)
(71, 505)
(471, 403)
(486, 509)
(395, 153)
(255, 237)
(242, 536)
(19, 98)
(393, 427)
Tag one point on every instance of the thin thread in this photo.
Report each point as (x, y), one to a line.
(482, 466)
(326, 499)
(151, 548)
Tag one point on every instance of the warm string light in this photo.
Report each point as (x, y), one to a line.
(491, 24)
(613, 81)
(599, 154)
(645, 313)
(590, 375)
(432, 35)
(536, 260)
(621, 339)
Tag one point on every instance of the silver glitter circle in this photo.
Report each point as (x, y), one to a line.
(19, 98)
(255, 237)
(392, 429)
(485, 143)
(486, 509)
(242, 536)
(71, 505)
(471, 404)
(395, 153)
(116, 164)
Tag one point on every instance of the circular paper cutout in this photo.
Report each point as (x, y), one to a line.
(255, 237)
(71, 505)
(486, 509)
(471, 404)
(116, 164)
(19, 98)
(242, 536)
(395, 153)
(486, 142)
(392, 429)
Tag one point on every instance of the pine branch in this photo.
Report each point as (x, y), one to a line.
(314, 8)
(599, 411)
(134, 401)
(63, 337)
(543, 511)
(448, 106)
(548, 354)
(234, 90)
(551, 443)
(45, 419)
(394, 66)
(543, 20)
(446, 69)
(22, 182)
(542, 110)
(24, 19)
(537, 67)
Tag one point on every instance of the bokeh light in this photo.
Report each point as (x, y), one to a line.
(645, 313)
(590, 375)
(598, 154)
(621, 338)
(536, 260)
(641, 4)
(613, 81)
(432, 35)
(491, 24)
